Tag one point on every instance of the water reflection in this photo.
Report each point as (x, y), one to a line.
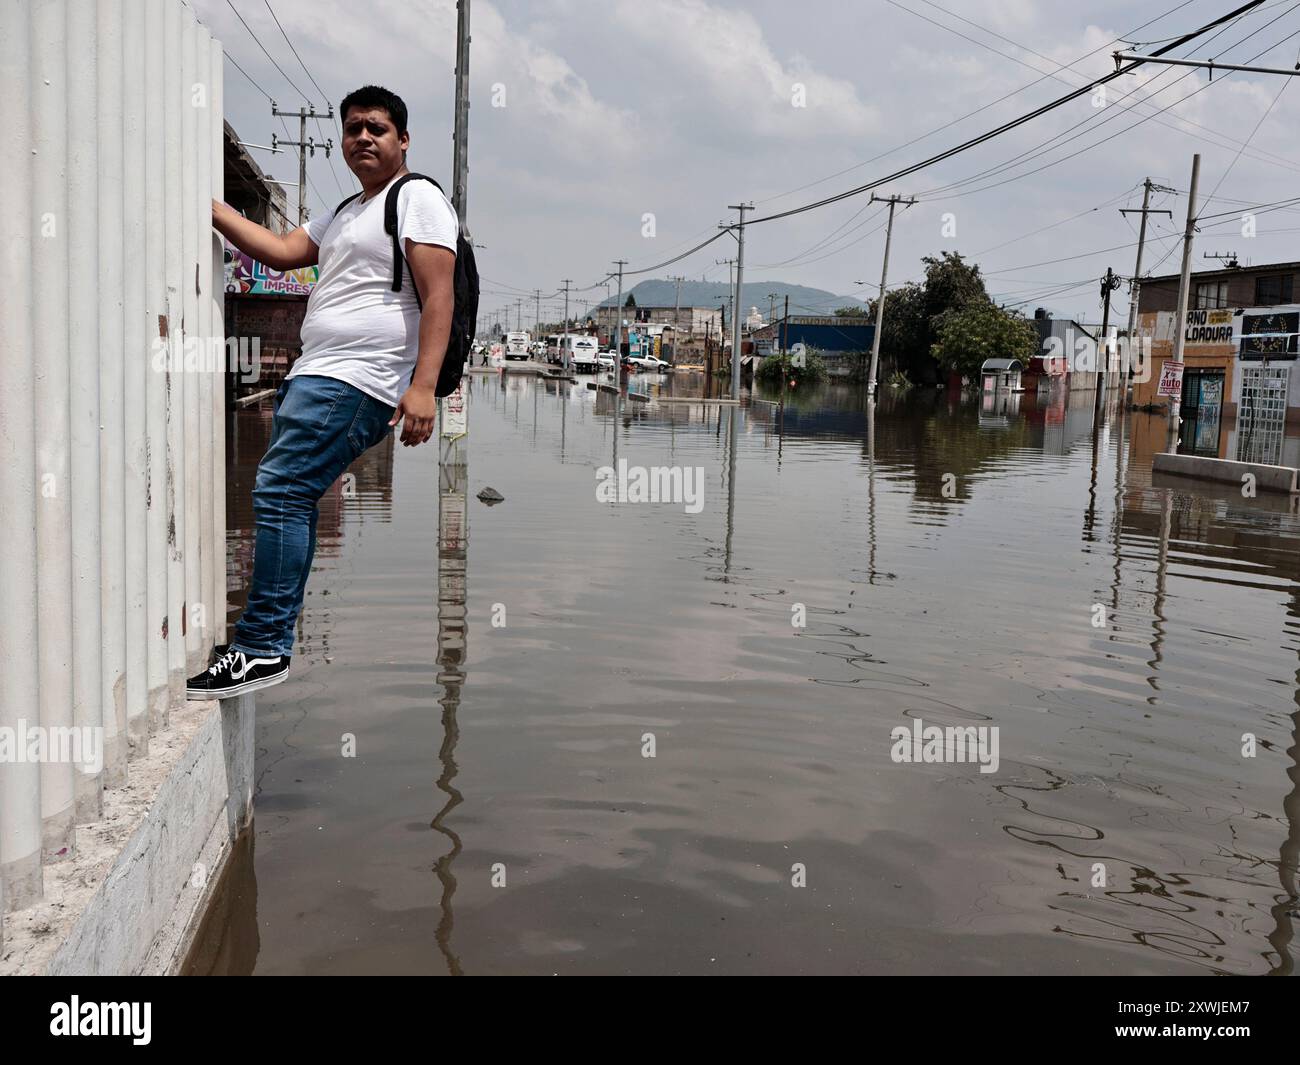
(1004, 563)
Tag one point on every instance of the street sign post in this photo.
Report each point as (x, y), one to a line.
(1171, 379)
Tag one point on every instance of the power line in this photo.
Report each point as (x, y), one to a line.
(1044, 147)
(971, 114)
(1006, 126)
(324, 94)
(268, 54)
(1055, 74)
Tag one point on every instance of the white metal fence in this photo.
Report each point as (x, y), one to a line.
(112, 421)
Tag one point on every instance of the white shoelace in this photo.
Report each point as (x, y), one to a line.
(223, 661)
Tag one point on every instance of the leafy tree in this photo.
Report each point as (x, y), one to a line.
(853, 312)
(981, 330)
(913, 311)
(950, 284)
(630, 301)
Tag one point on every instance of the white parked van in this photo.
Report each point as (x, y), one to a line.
(582, 354)
(517, 346)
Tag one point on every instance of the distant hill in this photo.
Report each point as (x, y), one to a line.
(803, 300)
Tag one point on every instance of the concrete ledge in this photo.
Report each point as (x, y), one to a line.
(128, 901)
(1267, 478)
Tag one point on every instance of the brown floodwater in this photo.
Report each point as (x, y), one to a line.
(988, 564)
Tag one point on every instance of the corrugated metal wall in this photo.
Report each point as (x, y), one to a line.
(112, 420)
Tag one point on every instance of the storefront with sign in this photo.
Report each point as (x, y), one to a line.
(1204, 382)
(1267, 388)
(266, 306)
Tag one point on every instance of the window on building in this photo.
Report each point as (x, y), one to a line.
(1211, 295)
(1272, 290)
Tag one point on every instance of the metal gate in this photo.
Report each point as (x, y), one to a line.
(1261, 420)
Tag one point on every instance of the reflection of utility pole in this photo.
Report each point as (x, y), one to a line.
(453, 627)
(733, 423)
(304, 144)
(453, 528)
(871, 489)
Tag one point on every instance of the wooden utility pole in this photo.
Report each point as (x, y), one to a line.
(735, 306)
(893, 202)
(304, 144)
(1109, 284)
(460, 132)
(1148, 186)
(1184, 284)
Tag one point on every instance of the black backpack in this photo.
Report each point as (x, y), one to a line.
(464, 283)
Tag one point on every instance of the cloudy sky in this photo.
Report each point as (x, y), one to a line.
(587, 117)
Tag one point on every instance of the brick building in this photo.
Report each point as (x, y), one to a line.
(1231, 287)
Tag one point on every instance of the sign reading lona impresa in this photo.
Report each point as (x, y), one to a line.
(1208, 327)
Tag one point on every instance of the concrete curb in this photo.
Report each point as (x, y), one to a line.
(130, 898)
(1267, 478)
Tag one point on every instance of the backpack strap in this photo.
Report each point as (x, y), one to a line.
(346, 202)
(390, 227)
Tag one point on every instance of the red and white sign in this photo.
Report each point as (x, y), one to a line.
(1171, 379)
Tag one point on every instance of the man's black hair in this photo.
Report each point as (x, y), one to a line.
(376, 96)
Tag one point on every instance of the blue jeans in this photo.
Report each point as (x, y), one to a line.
(321, 425)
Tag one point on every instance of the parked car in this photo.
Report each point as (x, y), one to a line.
(606, 360)
(645, 362)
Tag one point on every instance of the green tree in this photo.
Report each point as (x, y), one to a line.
(913, 311)
(630, 301)
(950, 284)
(978, 331)
(853, 312)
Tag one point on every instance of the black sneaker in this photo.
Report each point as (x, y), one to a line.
(235, 673)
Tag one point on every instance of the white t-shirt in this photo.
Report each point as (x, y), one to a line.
(357, 329)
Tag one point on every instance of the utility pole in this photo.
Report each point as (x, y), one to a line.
(735, 307)
(1148, 186)
(893, 202)
(1184, 284)
(677, 313)
(1109, 284)
(564, 344)
(785, 328)
(537, 324)
(304, 144)
(618, 329)
(460, 132)
(728, 302)
(771, 316)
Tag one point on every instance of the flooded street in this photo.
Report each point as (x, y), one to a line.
(975, 564)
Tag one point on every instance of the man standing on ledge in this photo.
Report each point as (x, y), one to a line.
(370, 358)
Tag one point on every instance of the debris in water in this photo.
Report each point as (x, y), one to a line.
(491, 497)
